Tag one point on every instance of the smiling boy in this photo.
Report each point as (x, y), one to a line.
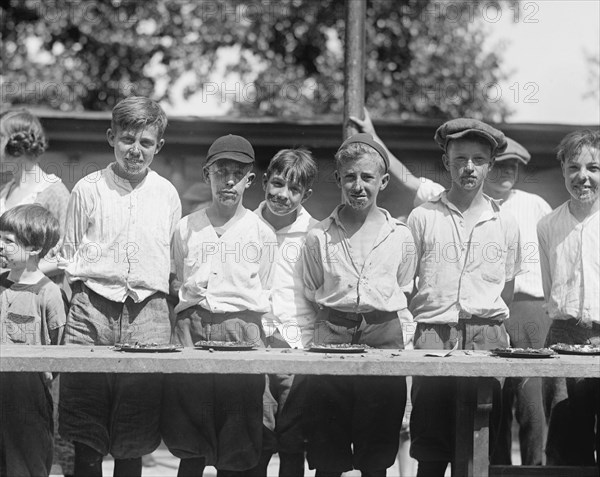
(570, 264)
(117, 245)
(287, 185)
(358, 264)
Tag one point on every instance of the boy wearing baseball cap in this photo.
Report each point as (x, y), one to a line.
(221, 256)
(358, 264)
(468, 253)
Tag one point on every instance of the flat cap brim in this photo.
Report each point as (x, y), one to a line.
(461, 127)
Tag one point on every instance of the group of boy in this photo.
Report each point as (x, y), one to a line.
(275, 277)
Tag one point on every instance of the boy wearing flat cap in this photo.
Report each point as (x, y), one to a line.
(358, 264)
(468, 254)
(222, 260)
(528, 324)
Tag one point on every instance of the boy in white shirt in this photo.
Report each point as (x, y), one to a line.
(569, 256)
(468, 252)
(287, 184)
(118, 231)
(358, 264)
(223, 257)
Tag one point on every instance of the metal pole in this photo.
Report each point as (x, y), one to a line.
(354, 63)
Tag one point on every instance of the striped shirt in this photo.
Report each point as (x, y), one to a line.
(291, 310)
(528, 209)
(569, 252)
(226, 273)
(117, 237)
(461, 275)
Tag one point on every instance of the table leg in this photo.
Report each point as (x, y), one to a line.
(472, 413)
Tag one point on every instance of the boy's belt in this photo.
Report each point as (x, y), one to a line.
(374, 316)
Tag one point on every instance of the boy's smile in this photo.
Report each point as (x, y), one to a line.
(582, 175)
(134, 149)
(360, 181)
(283, 196)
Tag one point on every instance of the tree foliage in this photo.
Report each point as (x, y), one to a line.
(424, 58)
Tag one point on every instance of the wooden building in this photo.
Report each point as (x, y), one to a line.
(78, 147)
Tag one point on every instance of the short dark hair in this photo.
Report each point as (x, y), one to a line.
(572, 144)
(296, 165)
(33, 226)
(137, 112)
(24, 133)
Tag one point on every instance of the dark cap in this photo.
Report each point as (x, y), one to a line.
(514, 151)
(364, 138)
(457, 128)
(231, 147)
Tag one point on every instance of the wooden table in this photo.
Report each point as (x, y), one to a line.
(472, 407)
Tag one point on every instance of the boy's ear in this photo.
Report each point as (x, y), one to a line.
(249, 178)
(159, 146)
(446, 161)
(206, 175)
(110, 136)
(385, 180)
(338, 179)
(265, 180)
(306, 196)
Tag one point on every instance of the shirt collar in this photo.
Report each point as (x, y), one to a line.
(302, 223)
(334, 218)
(487, 215)
(123, 183)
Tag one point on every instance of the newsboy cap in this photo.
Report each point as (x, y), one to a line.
(231, 147)
(457, 128)
(364, 138)
(514, 151)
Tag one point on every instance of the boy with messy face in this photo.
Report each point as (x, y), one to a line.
(358, 264)
(468, 253)
(570, 274)
(223, 258)
(287, 185)
(117, 242)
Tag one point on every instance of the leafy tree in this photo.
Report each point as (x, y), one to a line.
(423, 57)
